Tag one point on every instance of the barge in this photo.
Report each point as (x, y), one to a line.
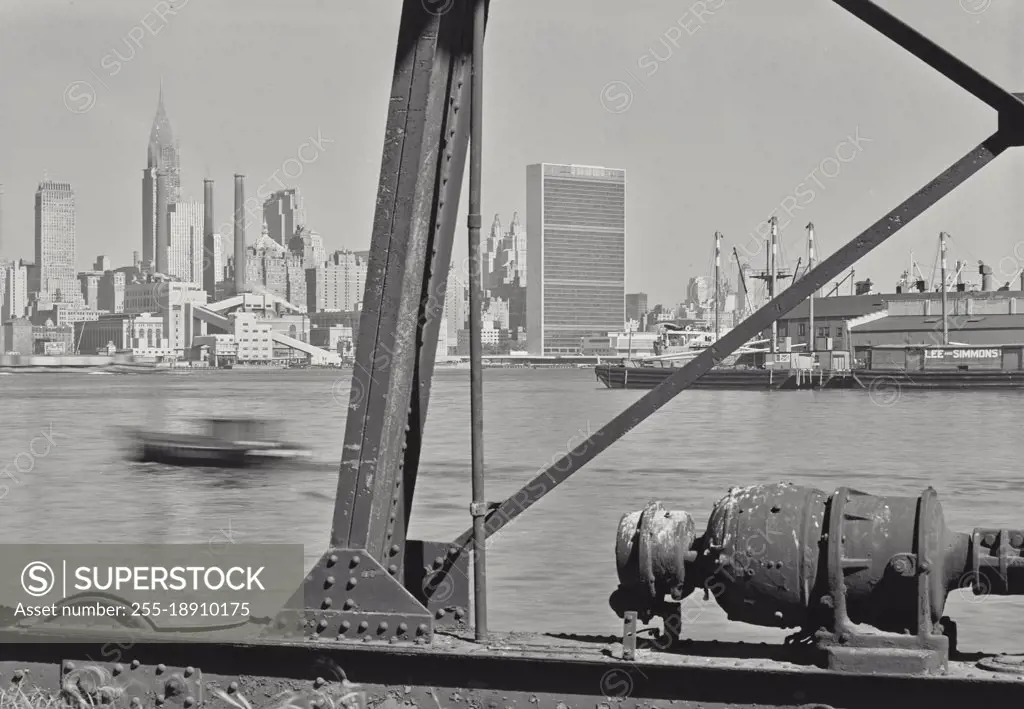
(784, 371)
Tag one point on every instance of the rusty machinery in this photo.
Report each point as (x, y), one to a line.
(794, 557)
(389, 613)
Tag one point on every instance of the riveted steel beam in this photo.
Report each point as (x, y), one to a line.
(835, 264)
(1010, 133)
(963, 75)
(372, 583)
(412, 235)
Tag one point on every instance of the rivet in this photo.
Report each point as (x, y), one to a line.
(422, 629)
(349, 604)
(382, 627)
(160, 699)
(189, 671)
(161, 668)
(392, 640)
(363, 626)
(319, 682)
(327, 602)
(366, 638)
(394, 549)
(328, 582)
(118, 668)
(459, 614)
(392, 569)
(345, 625)
(990, 539)
(332, 560)
(453, 551)
(233, 687)
(19, 675)
(189, 701)
(438, 562)
(402, 627)
(135, 664)
(68, 666)
(439, 614)
(355, 560)
(135, 703)
(352, 581)
(321, 624)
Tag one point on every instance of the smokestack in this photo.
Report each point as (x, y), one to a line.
(986, 276)
(209, 275)
(239, 234)
(161, 222)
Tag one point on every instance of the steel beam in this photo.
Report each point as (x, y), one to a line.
(307, 676)
(966, 77)
(686, 375)
(391, 592)
(1010, 133)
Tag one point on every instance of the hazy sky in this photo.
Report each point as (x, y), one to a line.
(728, 116)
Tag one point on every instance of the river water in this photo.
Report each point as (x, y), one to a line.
(554, 567)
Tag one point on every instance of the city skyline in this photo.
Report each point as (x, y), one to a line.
(772, 132)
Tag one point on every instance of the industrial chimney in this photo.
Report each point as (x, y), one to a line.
(209, 273)
(986, 276)
(239, 234)
(162, 242)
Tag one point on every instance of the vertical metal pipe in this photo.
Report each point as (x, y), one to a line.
(771, 281)
(239, 234)
(942, 266)
(810, 299)
(162, 242)
(478, 508)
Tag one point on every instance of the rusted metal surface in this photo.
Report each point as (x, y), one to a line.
(829, 561)
(525, 671)
(389, 599)
(787, 556)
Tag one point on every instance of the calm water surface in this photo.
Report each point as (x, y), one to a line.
(554, 567)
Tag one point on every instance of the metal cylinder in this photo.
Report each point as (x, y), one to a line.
(162, 241)
(783, 555)
(651, 551)
(239, 234)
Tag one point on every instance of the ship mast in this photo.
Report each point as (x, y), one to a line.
(942, 265)
(810, 299)
(718, 278)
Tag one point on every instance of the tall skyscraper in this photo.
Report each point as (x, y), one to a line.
(283, 214)
(55, 277)
(636, 306)
(576, 255)
(162, 154)
(185, 254)
(456, 305)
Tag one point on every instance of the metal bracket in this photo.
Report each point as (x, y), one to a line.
(349, 596)
(848, 650)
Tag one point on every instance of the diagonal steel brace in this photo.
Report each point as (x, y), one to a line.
(1010, 133)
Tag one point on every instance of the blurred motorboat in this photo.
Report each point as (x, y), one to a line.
(221, 442)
